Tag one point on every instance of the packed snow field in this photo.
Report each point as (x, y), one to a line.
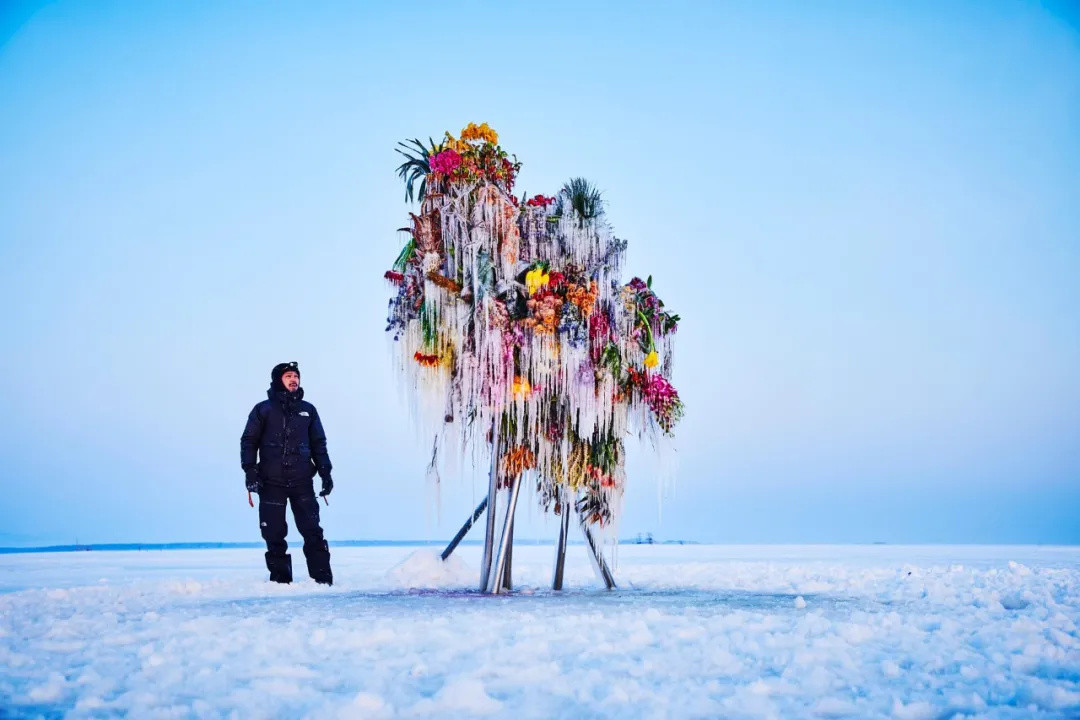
(692, 631)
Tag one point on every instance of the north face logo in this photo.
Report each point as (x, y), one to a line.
(304, 414)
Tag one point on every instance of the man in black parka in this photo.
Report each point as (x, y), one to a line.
(286, 433)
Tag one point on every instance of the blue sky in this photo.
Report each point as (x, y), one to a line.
(867, 214)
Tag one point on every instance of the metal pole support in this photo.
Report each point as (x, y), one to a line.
(560, 547)
(464, 529)
(599, 564)
(489, 535)
(499, 579)
(508, 581)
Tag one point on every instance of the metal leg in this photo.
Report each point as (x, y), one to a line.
(464, 529)
(598, 562)
(489, 535)
(499, 571)
(560, 547)
(508, 582)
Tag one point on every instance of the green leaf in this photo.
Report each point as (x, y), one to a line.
(405, 255)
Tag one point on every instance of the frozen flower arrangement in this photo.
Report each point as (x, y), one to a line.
(514, 308)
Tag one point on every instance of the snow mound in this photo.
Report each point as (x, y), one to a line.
(368, 706)
(426, 569)
(915, 711)
(460, 697)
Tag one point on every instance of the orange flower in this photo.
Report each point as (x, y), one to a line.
(521, 387)
(584, 298)
(517, 461)
(545, 310)
(472, 131)
(444, 282)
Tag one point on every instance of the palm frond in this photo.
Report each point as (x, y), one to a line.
(584, 198)
(417, 165)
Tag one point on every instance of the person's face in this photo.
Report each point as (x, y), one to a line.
(291, 380)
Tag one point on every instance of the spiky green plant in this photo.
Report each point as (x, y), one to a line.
(417, 165)
(583, 197)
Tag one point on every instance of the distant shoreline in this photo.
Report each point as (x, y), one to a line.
(112, 547)
(147, 547)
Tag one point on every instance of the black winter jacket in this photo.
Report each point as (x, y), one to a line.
(289, 438)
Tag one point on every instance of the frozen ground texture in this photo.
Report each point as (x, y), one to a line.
(693, 631)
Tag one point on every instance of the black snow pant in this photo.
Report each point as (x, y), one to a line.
(305, 507)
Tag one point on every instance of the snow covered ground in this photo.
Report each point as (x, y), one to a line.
(693, 631)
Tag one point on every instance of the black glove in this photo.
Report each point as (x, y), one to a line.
(327, 486)
(254, 484)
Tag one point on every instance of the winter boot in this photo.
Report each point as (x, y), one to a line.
(280, 567)
(318, 563)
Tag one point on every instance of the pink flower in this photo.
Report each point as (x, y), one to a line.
(446, 162)
(660, 395)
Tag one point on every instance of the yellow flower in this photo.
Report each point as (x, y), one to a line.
(536, 279)
(652, 359)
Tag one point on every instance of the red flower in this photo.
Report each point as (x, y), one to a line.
(394, 277)
(539, 201)
(426, 360)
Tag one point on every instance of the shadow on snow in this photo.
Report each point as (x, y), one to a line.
(623, 599)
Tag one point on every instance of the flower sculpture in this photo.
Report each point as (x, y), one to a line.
(514, 329)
